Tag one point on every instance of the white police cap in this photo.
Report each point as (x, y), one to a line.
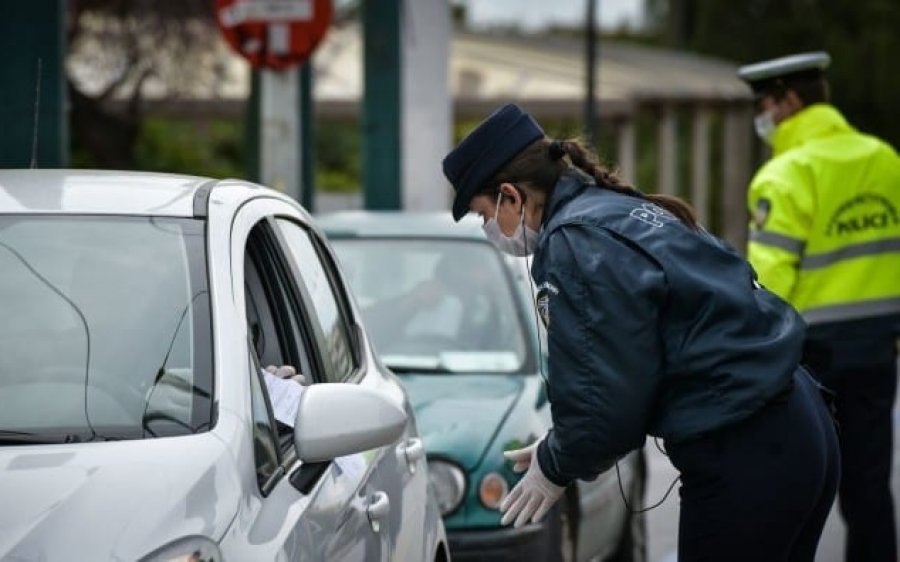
(775, 72)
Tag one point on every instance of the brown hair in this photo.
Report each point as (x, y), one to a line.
(542, 162)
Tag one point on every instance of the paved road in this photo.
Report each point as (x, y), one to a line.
(662, 523)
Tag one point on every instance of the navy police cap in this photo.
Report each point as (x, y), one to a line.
(779, 73)
(493, 143)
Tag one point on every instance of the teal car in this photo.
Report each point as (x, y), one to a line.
(454, 318)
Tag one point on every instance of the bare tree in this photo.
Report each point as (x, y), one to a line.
(122, 51)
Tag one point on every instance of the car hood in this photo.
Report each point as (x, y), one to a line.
(459, 415)
(113, 500)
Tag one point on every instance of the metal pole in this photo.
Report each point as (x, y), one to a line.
(280, 131)
(251, 128)
(307, 136)
(381, 104)
(590, 108)
(426, 103)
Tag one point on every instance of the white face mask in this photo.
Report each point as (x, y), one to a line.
(764, 123)
(522, 241)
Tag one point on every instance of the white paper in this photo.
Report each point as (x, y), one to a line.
(284, 394)
(353, 466)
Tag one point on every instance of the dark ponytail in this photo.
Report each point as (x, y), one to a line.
(585, 160)
(541, 163)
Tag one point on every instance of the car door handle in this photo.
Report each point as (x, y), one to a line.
(378, 507)
(413, 450)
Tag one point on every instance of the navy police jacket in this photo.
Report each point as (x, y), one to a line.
(653, 328)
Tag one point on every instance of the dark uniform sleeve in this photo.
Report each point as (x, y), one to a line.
(605, 351)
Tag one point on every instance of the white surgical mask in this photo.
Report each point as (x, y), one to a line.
(522, 241)
(764, 123)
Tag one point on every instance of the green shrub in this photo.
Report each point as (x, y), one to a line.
(214, 148)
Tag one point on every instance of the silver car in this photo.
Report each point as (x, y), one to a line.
(137, 421)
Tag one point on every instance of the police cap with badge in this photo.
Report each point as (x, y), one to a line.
(777, 75)
(494, 142)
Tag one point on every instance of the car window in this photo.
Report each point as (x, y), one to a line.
(106, 331)
(279, 335)
(260, 319)
(445, 305)
(275, 325)
(266, 451)
(330, 307)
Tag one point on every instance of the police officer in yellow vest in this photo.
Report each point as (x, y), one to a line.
(825, 236)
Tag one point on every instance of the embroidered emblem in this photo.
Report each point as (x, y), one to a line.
(548, 286)
(652, 214)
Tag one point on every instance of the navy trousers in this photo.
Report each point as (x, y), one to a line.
(864, 404)
(760, 489)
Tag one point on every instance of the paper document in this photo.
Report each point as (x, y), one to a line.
(284, 394)
(354, 466)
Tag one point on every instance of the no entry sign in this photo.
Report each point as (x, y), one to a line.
(275, 34)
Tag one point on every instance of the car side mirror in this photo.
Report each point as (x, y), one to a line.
(337, 419)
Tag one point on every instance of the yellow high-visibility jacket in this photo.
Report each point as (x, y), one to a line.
(825, 228)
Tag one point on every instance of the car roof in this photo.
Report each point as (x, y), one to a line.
(399, 224)
(99, 192)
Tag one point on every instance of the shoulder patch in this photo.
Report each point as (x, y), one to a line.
(654, 215)
(548, 286)
(542, 301)
(761, 213)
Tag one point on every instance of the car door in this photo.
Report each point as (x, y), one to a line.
(314, 511)
(401, 472)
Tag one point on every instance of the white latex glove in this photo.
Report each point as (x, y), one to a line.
(287, 372)
(534, 495)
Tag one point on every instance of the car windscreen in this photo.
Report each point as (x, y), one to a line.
(436, 305)
(106, 331)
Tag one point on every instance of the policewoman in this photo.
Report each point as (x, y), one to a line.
(654, 327)
(826, 237)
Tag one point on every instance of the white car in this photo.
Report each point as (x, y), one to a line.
(136, 420)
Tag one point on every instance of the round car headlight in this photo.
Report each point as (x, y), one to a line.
(492, 490)
(448, 483)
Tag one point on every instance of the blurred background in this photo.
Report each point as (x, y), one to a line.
(140, 84)
(363, 120)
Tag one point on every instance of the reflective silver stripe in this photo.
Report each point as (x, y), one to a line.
(852, 311)
(814, 261)
(778, 240)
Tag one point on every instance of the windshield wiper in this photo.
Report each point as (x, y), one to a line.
(8, 437)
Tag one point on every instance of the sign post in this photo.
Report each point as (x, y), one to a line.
(276, 36)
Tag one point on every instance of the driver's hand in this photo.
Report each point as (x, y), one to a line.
(287, 372)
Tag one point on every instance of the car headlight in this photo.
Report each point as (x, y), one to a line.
(187, 549)
(448, 482)
(492, 490)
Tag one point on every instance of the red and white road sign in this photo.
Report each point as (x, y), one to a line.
(274, 34)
